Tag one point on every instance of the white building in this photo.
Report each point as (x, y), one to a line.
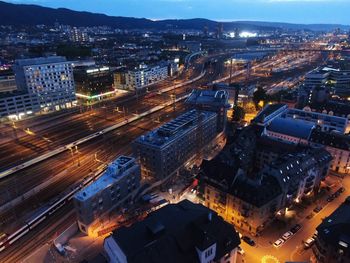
(43, 84)
(141, 77)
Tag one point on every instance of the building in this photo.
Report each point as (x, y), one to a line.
(43, 84)
(333, 237)
(257, 177)
(78, 35)
(338, 145)
(291, 130)
(163, 151)
(113, 190)
(7, 83)
(140, 77)
(325, 121)
(269, 113)
(213, 101)
(93, 81)
(183, 232)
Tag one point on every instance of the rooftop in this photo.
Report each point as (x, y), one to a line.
(114, 172)
(218, 97)
(335, 229)
(40, 60)
(292, 127)
(332, 139)
(174, 128)
(268, 110)
(172, 233)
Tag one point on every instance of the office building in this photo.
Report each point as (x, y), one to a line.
(213, 101)
(43, 85)
(113, 190)
(183, 232)
(93, 81)
(163, 151)
(269, 113)
(333, 237)
(140, 77)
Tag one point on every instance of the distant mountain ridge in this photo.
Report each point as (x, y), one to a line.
(21, 14)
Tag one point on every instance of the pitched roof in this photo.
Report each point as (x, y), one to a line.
(172, 233)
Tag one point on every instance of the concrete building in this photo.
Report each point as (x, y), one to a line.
(183, 232)
(113, 190)
(333, 237)
(163, 151)
(338, 145)
(50, 79)
(269, 113)
(213, 101)
(7, 83)
(140, 77)
(43, 85)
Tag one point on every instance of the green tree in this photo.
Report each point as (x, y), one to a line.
(238, 113)
(259, 95)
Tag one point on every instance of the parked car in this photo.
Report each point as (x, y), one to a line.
(295, 228)
(318, 209)
(309, 242)
(240, 251)
(330, 198)
(310, 216)
(341, 190)
(248, 240)
(287, 235)
(279, 242)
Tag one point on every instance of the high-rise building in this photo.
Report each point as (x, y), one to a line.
(163, 151)
(112, 190)
(78, 35)
(43, 84)
(183, 232)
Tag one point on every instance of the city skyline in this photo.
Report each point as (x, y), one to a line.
(289, 11)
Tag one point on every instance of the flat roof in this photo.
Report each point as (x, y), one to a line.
(113, 173)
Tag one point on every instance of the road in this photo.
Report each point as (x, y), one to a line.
(293, 249)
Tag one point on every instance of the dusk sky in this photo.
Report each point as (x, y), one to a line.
(295, 11)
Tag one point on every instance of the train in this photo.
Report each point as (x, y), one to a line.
(8, 240)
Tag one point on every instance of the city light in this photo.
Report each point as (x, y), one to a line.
(246, 34)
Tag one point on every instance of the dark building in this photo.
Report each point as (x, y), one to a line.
(183, 232)
(93, 80)
(333, 237)
(212, 101)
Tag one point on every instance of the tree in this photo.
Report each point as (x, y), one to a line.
(259, 95)
(238, 113)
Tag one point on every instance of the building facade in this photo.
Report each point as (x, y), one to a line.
(197, 235)
(163, 151)
(211, 100)
(338, 145)
(112, 190)
(141, 77)
(93, 80)
(48, 81)
(333, 237)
